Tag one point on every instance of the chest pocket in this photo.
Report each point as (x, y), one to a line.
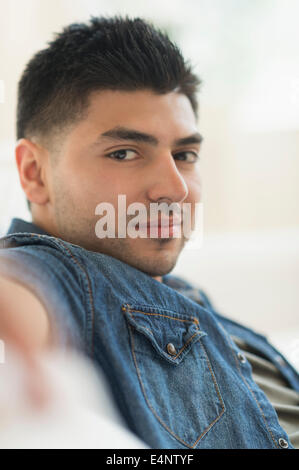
(174, 371)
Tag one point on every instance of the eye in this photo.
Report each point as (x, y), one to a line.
(189, 157)
(121, 154)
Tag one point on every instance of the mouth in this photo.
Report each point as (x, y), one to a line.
(163, 228)
(163, 222)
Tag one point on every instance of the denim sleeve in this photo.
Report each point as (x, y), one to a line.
(56, 283)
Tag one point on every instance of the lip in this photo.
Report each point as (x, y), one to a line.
(161, 226)
(162, 223)
(167, 229)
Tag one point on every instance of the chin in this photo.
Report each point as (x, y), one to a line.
(160, 268)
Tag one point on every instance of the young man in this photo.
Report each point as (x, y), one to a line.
(109, 108)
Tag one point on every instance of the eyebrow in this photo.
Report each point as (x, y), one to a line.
(125, 133)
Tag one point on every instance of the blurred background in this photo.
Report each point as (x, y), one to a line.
(246, 53)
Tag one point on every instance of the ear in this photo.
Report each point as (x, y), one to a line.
(31, 161)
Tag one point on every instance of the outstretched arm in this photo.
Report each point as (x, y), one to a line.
(24, 325)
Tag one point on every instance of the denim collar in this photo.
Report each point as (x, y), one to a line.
(21, 226)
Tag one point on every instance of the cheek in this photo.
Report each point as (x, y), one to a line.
(194, 199)
(195, 190)
(100, 185)
(86, 183)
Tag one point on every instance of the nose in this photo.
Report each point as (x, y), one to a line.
(166, 182)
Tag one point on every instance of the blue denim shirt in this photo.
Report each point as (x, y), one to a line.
(195, 393)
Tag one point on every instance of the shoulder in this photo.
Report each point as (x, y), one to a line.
(55, 272)
(202, 297)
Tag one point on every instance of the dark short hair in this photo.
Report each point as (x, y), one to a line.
(106, 53)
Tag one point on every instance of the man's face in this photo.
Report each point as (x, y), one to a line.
(93, 168)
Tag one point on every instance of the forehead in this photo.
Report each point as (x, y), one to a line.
(142, 109)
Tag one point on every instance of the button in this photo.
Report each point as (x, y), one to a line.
(283, 443)
(241, 357)
(171, 349)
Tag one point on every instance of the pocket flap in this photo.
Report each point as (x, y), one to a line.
(170, 333)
